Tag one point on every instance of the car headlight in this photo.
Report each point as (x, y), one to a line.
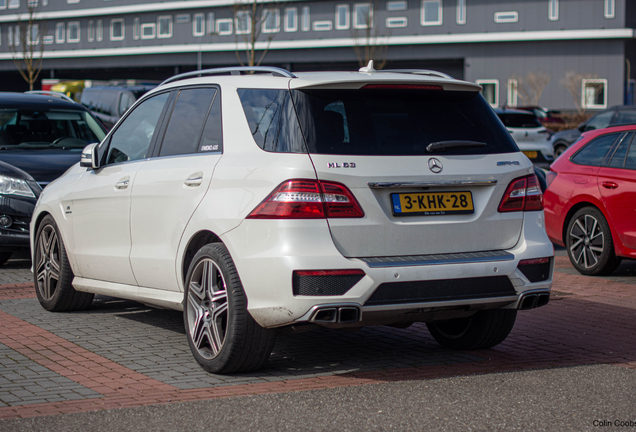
(11, 186)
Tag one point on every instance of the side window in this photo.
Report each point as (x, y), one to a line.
(630, 160)
(618, 159)
(133, 136)
(125, 103)
(186, 121)
(625, 117)
(600, 121)
(212, 138)
(595, 151)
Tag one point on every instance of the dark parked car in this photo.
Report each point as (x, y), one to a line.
(41, 136)
(614, 116)
(544, 115)
(109, 103)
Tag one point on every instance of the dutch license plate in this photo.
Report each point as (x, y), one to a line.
(531, 154)
(432, 203)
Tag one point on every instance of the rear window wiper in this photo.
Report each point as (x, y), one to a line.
(453, 145)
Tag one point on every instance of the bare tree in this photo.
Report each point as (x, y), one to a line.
(26, 42)
(531, 86)
(370, 43)
(252, 19)
(573, 83)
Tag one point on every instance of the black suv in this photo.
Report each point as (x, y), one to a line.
(41, 136)
(614, 116)
(109, 103)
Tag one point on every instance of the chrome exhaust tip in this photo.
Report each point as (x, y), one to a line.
(345, 314)
(534, 300)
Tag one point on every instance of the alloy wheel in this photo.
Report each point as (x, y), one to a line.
(48, 262)
(207, 308)
(586, 241)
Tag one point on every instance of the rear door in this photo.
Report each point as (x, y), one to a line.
(617, 186)
(416, 201)
(170, 186)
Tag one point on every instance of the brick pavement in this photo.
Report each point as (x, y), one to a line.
(123, 354)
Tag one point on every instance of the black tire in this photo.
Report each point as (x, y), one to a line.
(589, 243)
(559, 148)
(485, 329)
(222, 335)
(4, 257)
(52, 273)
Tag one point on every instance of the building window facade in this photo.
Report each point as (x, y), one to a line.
(609, 8)
(396, 22)
(291, 19)
(164, 27)
(73, 32)
(91, 31)
(14, 4)
(224, 27)
(363, 15)
(431, 13)
(513, 94)
(242, 24)
(136, 28)
(211, 23)
(198, 25)
(342, 17)
(117, 29)
(461, 12)
(553, 10)
(322, 25)
(99, 31)
(490, 91)
(148, 31)
(594, 93)
(3, 4)
(72, 1)
(396, 5)
(306, 19)
(33, 34)
(271, 21)
(506, 17)
(60, 32)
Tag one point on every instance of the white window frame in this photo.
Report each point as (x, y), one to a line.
(99, 30)
(60, 32)
(584, 83)
(496, 83)
(165, 35)
(14, 4)
(10, 36)
(153, 33)
(553, 10)
(305, 18)
(506, 17)
(363, 25)
(90, 36)
(461, 12)
(3, 4)
(324, 25)
(342, 9)
(513, 93)
(398, 5)
(198, 18)
(182, 18)
(123, 29)
(294, 26)
(72, 1)
(136, 28)
(211, 23)
(34, 28)
(609, 9)
(48, 39)
(440, 18)
(396, 22)
(32, 3)
(220, 22)
(276, 13)
(239, 16)
(68, 32)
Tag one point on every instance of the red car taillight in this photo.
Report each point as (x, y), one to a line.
(523, 194)
(308, 199)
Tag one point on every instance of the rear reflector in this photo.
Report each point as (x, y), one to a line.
(522, 194)
(402, 87)
(308, 199)
(536, 270)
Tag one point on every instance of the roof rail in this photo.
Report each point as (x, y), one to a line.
(236, 70)
(50, 93)
(418, 72)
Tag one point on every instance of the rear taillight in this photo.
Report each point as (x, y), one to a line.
(308, 199)
(523, 194)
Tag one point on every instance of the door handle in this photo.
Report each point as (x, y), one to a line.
(122, 184)
(609, 185)
(193, 181)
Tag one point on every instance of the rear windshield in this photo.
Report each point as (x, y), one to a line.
(519, 120)
(376, 121)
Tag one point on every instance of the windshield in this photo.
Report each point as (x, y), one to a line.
(71, 129)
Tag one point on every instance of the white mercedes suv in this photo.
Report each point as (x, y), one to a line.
(255, 199)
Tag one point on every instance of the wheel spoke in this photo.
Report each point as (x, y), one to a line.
(579, 226)
(596, 249)
(215, 338)
(592, 255)
(576, 244)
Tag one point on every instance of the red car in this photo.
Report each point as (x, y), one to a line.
(590, 202)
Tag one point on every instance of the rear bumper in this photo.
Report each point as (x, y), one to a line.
(265, 263)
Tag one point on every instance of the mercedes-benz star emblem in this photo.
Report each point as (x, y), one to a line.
(435, 165)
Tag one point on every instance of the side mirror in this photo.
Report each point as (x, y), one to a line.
(89, 156)
(582, 127)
